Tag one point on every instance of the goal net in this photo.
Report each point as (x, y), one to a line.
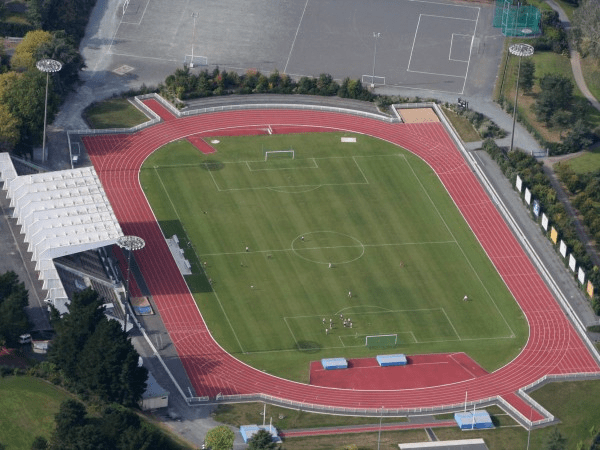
(279, 154)
(381, 341)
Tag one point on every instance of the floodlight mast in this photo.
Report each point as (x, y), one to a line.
(519, 50)
(48, 66)
(130, 243)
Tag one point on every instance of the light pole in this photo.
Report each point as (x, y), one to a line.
(376, 36)
(48, 66)
(194, 16)
(380, 419)
(519, 50)
(130, 243)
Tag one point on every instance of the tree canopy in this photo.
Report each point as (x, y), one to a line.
(261, 440)
(220, 438)
(13, 301)
(586, 21)
(96, 354)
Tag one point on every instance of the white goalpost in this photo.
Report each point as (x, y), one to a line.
(289, 154)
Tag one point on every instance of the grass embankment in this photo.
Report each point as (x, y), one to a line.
(373, 210)
(113, 113)
(575, 404)
(545, 62)
(289, 419)
(27, 409)
(463, 127)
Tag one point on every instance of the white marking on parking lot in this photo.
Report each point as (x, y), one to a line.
(295, 37)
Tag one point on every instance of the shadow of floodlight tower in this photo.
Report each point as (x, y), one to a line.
(131, 244)
(49, 66)
(519, 50)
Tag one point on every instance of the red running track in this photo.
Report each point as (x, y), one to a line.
(553, 346)
(421, 371)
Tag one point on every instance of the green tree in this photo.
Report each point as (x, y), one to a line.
(24, 56)
(585, 26)
(13, 301)
(39, 443)
(62, 48)
(9, 130)
(220, 438)
(556, 93)
(526, 75)
(555, 441)
(261, 440)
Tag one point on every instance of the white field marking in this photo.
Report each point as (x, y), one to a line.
(460, 248)
(342, 341)
(434, 73)
(292, 191)
(360, 169)
(331, 247)
(291, 186)
(413, 46)
(139, 22)
(155, 58)
(295, 37)
(444, 4)
(250, 169)
(451, 324)
(452, 43)
(214, 181)
(424, 89)
(213, 289)
(449, 17)
(291, 332)
(470, 51)
(366, 313)
(463, 367)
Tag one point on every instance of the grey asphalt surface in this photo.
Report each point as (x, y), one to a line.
(285, 35)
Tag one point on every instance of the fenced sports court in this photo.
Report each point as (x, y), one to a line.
(515, 19)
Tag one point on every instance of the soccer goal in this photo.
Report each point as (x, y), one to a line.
(279, 154)
(381, 341)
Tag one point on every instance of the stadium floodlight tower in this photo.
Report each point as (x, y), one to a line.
(376, 36)
(131, 244)
(519, 50)
(48, 66)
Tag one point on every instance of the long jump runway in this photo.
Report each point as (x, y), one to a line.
(553, 346)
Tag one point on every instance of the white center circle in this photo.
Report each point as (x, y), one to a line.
(328, 247)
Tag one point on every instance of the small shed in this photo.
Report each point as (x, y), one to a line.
(155, 396)
(334, 363)
(40, 346)
(247, 431)
(391, 360)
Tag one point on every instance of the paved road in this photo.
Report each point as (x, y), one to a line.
(575, 57)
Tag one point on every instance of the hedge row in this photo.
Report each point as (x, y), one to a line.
(530, 170)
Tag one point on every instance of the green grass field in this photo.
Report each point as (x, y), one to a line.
(27, 408)
(374, 211)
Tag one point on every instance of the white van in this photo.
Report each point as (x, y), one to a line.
(25, 339)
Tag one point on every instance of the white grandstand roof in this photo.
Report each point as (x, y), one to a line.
(61, 213)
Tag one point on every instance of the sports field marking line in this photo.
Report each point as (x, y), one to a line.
(291, 186)
(461, 249)
(213, 290)
(250, 169)
(295, 37)
(129, 55)
(414, 41)
(448, 17)
(451, 324)
(434, 73)
(470, 52)
(214, 181)
(141, 18)
(360, 169)
(243, 252)
(320, 316)
(462, 366)
(443, 4)
(291, 332)
(452, 44)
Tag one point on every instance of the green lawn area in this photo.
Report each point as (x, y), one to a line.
(591, 73)
(545, 62)
(113, 113)
(463, 127)
(27, 408)
(287, 419)
(586, 162)
(374, 211)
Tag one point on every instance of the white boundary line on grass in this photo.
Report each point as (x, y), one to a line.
(461, 249)
(213, 289)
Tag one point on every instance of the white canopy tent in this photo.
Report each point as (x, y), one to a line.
(60, 213)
